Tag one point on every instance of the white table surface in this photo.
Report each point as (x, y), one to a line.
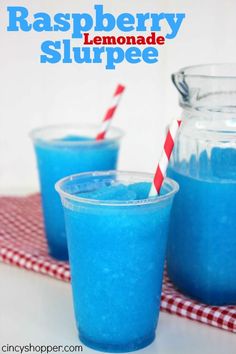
(38, 309)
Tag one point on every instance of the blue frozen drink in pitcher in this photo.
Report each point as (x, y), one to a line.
(201, 255)
(117, 242)
(63, 150)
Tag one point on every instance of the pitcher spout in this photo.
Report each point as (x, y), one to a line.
(204, 87)
(179, 81)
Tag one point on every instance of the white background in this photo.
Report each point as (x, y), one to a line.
(33, 94)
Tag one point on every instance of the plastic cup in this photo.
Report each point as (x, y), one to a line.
(57, 158)
(117, 251)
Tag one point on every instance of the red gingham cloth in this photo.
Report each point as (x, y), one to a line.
(22, 243)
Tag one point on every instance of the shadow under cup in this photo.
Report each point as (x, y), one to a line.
(63, 150)
(117, 251)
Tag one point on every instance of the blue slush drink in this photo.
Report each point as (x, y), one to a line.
(202, 244)
(62, 151)
(117, 242)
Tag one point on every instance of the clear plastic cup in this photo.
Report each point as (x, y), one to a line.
(117, 250)
(62, 150)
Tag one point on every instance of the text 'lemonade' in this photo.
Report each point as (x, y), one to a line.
(117, 241)
(99, 21)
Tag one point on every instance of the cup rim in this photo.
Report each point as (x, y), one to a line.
(142, 176)
(36, 134)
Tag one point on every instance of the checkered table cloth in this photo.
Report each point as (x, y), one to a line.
(22, 243)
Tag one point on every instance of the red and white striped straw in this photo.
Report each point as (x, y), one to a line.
(165, 158)
(110, 112)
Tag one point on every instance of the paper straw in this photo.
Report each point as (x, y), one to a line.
(110, 112)
(165, 158)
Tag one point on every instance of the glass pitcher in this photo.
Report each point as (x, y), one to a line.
(201, 257)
